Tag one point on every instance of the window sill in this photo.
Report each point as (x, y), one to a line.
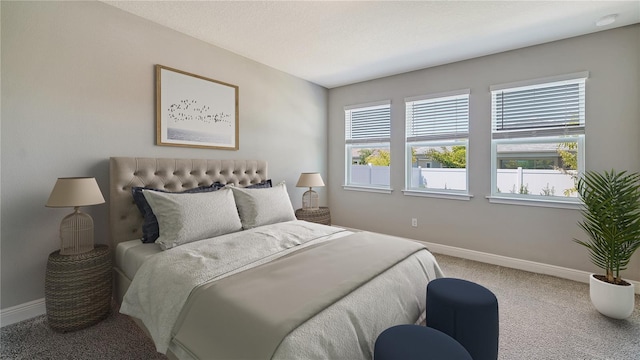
(380, 190)
(438, 194)
(558, 204)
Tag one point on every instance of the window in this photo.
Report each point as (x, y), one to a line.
(437, 132)
(368, 157)
(538, 138)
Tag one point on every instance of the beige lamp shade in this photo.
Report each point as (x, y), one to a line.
(75, 191)
(76, 229)
(310, 180)
(310, 199)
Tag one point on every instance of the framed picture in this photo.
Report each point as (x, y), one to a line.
(195, 111)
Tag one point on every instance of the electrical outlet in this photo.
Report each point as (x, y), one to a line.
(414, 222)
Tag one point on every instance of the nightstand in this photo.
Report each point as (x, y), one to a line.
(78, 289)
(320, 215)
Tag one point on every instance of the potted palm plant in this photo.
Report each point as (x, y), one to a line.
(612, 221)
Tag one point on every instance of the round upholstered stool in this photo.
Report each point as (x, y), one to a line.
(467, 312)
(414, 342)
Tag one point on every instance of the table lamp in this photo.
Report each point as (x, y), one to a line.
(310, 197)
(76, 229)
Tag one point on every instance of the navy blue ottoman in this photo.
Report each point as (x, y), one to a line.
(467, 312)
(414, 342)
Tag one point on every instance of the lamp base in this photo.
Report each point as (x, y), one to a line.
(310, 200)
(76, 233)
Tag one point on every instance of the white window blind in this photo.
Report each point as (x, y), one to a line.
(437, 118)
(368, 124)
(550, 109)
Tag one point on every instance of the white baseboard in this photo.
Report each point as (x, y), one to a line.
(536, 267)
(22, 312)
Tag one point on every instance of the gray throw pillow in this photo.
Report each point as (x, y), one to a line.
(265, 206)
(188, 217)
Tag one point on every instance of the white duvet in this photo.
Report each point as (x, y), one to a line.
(163, 283)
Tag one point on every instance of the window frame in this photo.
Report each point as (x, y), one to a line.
(437, 140)
(372, 142)
(529, 136)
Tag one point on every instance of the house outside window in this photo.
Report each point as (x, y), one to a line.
(538, 138)
(367, 139)
(437, 132)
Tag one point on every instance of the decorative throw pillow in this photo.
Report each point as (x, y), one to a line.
(259, 207)
(260, 185)
(150, 230)
(188, 217)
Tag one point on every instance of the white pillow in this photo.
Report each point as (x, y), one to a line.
(265, 206)
(183, 218)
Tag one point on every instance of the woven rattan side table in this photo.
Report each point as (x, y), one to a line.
(320, 215)
(77, 289)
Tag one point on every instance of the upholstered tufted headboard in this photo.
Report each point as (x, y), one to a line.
(125, 221)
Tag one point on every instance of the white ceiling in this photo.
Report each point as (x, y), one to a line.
(335, 43)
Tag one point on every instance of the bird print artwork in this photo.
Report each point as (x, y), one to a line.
(190, 110)
(193, 110)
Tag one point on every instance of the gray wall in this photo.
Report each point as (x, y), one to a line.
(78, 87)
(530, 233)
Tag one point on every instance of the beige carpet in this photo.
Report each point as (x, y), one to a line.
(541, 318)
(116, 337)
(548, 318)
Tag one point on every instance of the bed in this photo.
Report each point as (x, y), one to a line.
(265, 285)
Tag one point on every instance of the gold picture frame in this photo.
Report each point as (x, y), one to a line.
(195, 111)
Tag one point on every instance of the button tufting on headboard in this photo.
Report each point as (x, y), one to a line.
(125, 221)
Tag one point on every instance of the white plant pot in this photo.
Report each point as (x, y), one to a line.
(614, 301)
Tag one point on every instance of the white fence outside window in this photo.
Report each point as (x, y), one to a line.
(536, 182)
(370, 175)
